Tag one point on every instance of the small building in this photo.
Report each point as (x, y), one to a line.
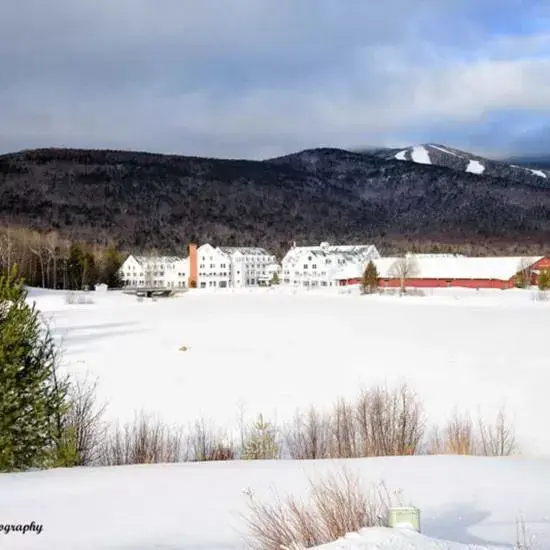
(441, 271)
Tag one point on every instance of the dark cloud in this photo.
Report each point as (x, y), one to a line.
(242, 77)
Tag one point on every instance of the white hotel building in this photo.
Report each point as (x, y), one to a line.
(318, 266)
(217, 267)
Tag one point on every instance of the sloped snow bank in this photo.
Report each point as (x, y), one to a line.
(379, 538)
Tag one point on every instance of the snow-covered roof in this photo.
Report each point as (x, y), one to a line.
(247, 251)
(345, 253)
(426, 267)
(159, 259)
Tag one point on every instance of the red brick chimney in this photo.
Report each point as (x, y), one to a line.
(193, 271)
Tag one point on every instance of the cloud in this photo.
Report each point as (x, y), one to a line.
(255, 78)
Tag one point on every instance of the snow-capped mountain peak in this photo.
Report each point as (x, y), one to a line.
(449, 157)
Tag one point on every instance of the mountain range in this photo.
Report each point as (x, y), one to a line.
(421, 194)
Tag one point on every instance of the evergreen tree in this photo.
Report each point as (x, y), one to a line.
(544, 279)
(261, 444)
(33, 399)
(81, 267)
(371, 279)
(275, 279)
(111, 275)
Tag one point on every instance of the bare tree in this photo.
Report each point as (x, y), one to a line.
(344, 431)
(309, 436)
(498, 439)
(39, 249)
(7, 245)
(403, 269)
(51, 246)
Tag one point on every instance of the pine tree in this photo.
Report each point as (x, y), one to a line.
(33, 398)
(371, 279)
(261, 444)
(111, 275)
(81, 267)
(544, 279)
(275, 280)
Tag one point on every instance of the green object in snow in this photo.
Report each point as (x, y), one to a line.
(404, 517)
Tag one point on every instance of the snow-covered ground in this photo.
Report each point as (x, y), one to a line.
(271, 351)
(467, 500)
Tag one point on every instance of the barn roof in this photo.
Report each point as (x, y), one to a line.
(425, 267)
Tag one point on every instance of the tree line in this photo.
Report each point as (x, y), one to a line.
(49, 260)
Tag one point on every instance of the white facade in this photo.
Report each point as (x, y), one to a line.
(250, 266)
(319, 266)
(217, 267)
(236, 267)
(155, 271)
(213, 267)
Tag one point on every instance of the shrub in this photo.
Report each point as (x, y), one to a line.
(544, 280)
(78, 298)
(145, 441)
(83, 426)
(391, 422)
(208, 444)
(338, 504)
(462, 436)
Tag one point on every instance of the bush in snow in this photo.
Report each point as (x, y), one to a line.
(80, 298)
(83, 425)
(380, 422)
(390, 422)
(145, 441)
(337, 505)
(309, 435)
(207, 444)
(544, 280)
(462, 436)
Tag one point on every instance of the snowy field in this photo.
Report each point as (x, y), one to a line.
(468, 500)
(272, 352)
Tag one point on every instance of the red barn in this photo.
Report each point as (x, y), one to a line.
(436, 271)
